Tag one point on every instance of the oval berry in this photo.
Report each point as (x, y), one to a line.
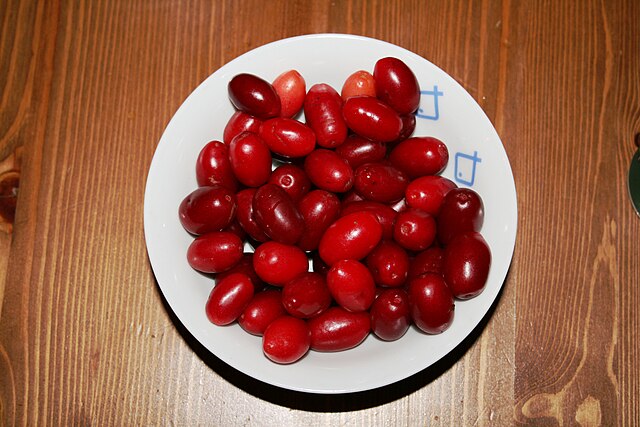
(466, 263)
(379, 182)
(390, 314)
(319, 209)
(389, 264)
(286, 340)
(427, 193)
(214, 168)
(306, 296)
(420, 156)
(250, 159)
(287, 137)
(328, 171)
(261, 311)
(414, 230)
(276, 213)
(461, 211)
(352, 236)
(253, 95)
(351, 285)
(291, 89)
(229, 298)
(238, 123)
(277, 263)
(337, 329)
(323, 114)
(432, 304)
(215, 252)
(207, 209)
(360, 83)
(372, 119)
(357, 151)
(396, 85)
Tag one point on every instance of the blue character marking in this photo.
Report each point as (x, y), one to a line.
(435, 113)
(465, 168)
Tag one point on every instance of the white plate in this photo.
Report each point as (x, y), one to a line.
(447, 111)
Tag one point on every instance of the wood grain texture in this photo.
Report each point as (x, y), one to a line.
(87, 89)
(576, 305)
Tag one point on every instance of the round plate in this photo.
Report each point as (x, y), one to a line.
(447, 111)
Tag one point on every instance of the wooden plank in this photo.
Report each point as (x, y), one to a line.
(575, 113)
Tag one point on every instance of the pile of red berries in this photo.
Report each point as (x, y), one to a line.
(349, 191)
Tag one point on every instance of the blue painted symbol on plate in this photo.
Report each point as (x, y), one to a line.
(431, 98)
(465, 168)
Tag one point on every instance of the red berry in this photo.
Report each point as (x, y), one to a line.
(286, 339)
(432, 304)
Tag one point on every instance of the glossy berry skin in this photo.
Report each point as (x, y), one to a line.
(419, 156)
(396, 85)
(408, 127)
(384, 213)
(277, 263)
(390, 314)
(328, 171)
(291, 179)
(388, 264)
(357, 151)
(306, 296)
(432, 303)
(352, 236)
(238, 123)
(360, 83)
(245, 266)
(462, 210)
(207, 209)
(323, 114)
(427, 193)
(215, 252)
(250, 159)
(319, 209)
(287, 137)
(277, 215)
(380, 182)
(214, 168)
(427, 261)
(337, 329)
(351, 285)
(264, 308)
(254, 96)
(245, 217)
(291, 89)
(229, 298)
(414, 230)
(466, 264)
(286, 340)
(372, 119)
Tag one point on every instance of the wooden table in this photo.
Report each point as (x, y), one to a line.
(87, 89)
